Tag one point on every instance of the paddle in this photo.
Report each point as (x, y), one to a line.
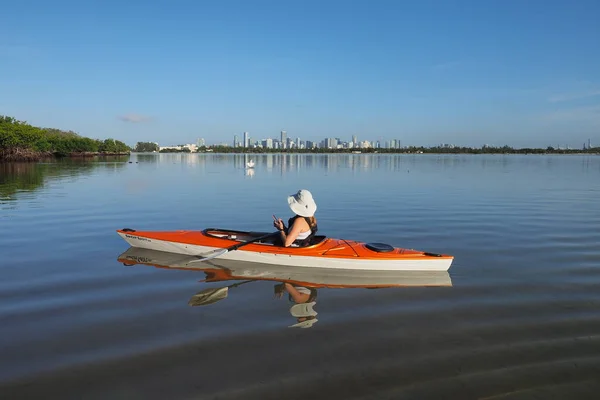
(220, 252)
(211, 295)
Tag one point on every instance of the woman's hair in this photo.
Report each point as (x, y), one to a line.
(312, 221)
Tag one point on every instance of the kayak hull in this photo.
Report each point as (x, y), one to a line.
(220, 270)
(328, 253)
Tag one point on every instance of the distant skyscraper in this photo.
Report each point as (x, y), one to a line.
(267, 143)
(354, 140)
(284, 139)
(236, 140)
(200, 142)
(589, 143)
(246, 140)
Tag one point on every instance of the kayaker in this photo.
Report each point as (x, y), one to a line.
(303, 225)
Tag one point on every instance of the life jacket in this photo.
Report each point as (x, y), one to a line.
(308, 239)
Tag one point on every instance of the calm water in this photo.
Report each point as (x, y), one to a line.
(520, 320)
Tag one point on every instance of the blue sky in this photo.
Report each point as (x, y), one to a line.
(522, 73)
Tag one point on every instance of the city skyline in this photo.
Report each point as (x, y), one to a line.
(338, 143)
(501, 73)
(284, 142)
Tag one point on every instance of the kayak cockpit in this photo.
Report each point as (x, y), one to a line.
(244, 236)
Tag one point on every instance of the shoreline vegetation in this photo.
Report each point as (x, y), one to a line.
(20, 141)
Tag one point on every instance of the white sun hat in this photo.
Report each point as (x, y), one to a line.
(303, 310)
(302, 203)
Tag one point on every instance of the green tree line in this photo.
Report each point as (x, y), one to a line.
(22, 141)
(143, 147)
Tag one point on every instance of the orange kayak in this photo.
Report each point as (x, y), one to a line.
(259, 247)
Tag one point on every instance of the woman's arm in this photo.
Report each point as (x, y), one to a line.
(293, 231)
(296, 295)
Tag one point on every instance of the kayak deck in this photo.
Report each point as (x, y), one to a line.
(321, 245)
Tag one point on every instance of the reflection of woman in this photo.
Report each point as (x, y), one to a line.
(296, 294)
(304, 299)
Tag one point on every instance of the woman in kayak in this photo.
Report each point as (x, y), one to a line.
(302, 226)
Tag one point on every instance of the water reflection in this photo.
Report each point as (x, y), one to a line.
(286, 163)
(487, 169)
(147, 157)
(29, 177)
(299, 285)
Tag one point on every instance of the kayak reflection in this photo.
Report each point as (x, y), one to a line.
(298, 284)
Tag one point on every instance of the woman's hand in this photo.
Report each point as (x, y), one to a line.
(278, 223)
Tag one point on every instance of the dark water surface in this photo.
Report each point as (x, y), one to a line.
(520, 320)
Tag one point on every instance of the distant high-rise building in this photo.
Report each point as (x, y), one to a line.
(284, 139)
(246, 140)
(236, 140)
(200, 142)
(589, 143)
(297, 143)
(354, 140)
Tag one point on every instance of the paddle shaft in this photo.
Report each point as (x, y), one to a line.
(220, 252)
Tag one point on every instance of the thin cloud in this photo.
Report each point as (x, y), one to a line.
(134, 118)
(558, 98)
(590, 114)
